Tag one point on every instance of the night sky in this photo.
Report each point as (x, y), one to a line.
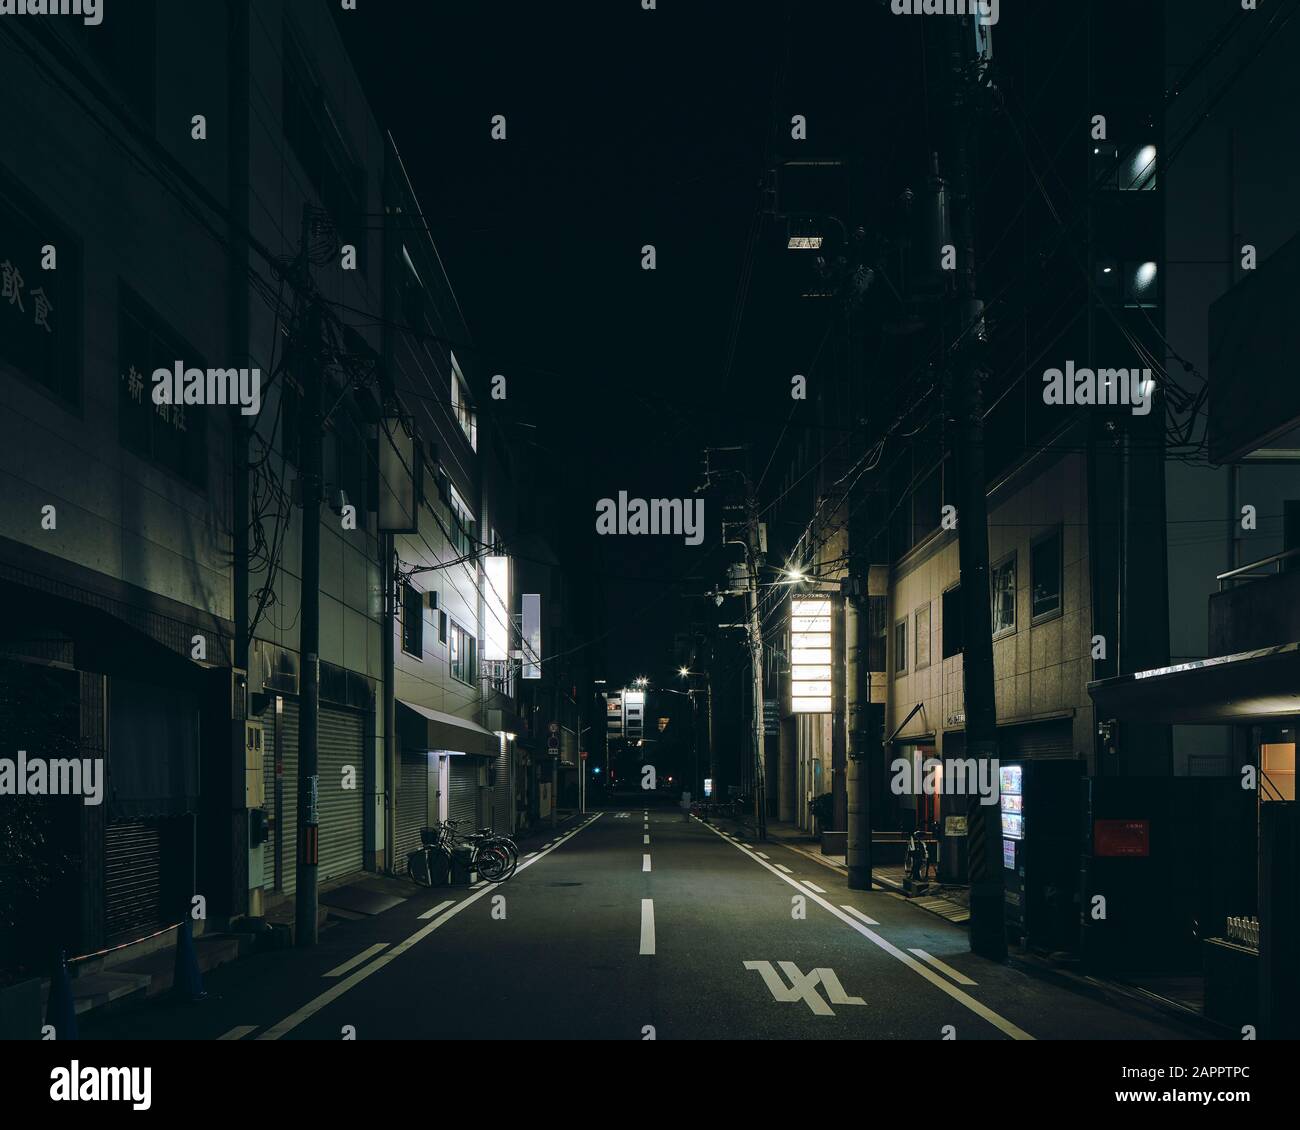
(626, 128)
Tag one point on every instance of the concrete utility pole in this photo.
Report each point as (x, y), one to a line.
(964, 407)
(310, 471)
(754, 558)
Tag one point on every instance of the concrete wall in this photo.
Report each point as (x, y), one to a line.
(1039, 668)
(120, 514)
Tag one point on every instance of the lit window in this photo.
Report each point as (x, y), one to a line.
(1045, 575)
(1004, 596)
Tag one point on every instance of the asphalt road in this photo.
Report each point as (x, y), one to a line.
(635, 924)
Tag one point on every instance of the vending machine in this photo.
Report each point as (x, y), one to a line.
(1038, 802)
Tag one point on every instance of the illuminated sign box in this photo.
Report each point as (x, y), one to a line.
(810, 656)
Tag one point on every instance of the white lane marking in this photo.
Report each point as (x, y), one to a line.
(433, 912)
(761, 855)
(238, 1032)
(750, 846)
(980, 1010)
(645, 862)
(813, 887)
(290, 1022)
(853, 910)
(943, 967)
(645, 839)
(647, 926)
(784, 868)
(361, 958)
(530, 855)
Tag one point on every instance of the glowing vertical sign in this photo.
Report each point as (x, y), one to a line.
(810, 656)
(496, 600)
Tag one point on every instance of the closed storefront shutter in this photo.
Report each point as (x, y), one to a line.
(412, 805)
(1053, 739)
(132, 880)
(341, 810)
(502, 794)
(463, 805)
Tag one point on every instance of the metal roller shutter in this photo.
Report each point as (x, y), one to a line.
(132, 880)
(463, 804)
(342, 811)
(412, 805)
(1038, 740)
(502, 794)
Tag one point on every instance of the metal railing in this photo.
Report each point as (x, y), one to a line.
(1245, 572)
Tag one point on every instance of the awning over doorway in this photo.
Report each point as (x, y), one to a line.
(448, 733)
(1245, 687)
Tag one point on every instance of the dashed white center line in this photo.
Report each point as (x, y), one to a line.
(761, 855)
(853, 910)
(530, 855)
(433, 912)
(645, 839)
(238, 1032)
(361, 958)
(647, 926)
(783, 867)
(812, 887)
(943, 967)
(645, 862)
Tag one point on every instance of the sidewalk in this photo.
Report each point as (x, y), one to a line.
(952, 903)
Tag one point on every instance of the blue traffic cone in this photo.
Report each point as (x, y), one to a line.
(187, 981)
(60, 1009)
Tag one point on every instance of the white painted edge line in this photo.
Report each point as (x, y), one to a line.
(813, 887)
(361, 958)
(645, 862)
(238, 1032)
(980, 1010)
(783, 868)
(943, 967)
(853, 910)
(290, 1022)
(434, 911)
(647, 926)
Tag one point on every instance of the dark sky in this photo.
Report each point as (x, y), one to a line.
(625, 128)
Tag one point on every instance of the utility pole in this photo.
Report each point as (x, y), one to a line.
(754, 558)
(964, 408)
(312, 372)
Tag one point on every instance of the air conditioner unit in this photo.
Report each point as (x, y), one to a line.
(431, 600)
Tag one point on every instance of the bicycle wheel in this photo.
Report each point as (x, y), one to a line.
(493, 863)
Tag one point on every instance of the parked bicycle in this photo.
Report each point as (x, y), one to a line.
(493, 855)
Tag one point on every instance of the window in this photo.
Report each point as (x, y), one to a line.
(900, 647)
(413, 621)
(923, 636)
(1004, 596)
(125, 47)
(463, 655)
(464, 530)
(466, 417)
(953, 635)
(171, 435)
(316, 140)
(40, 311)
(877, 632)
(1045, 575)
